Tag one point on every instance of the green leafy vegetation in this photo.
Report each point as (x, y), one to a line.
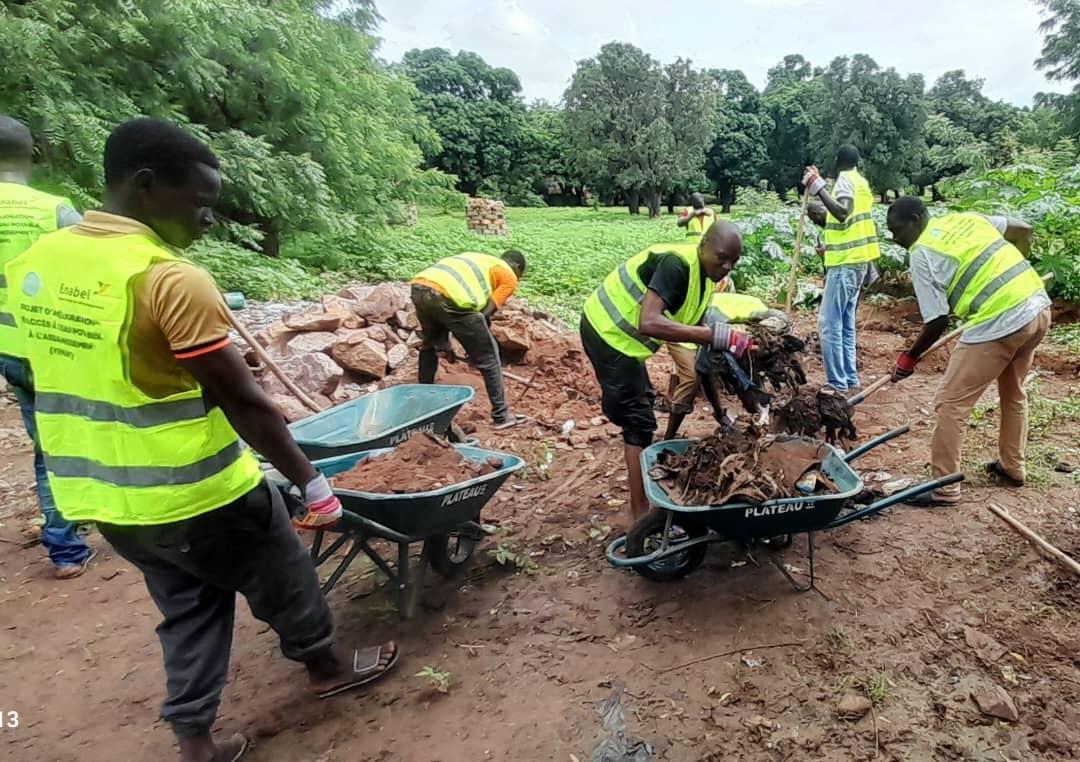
(437, 678)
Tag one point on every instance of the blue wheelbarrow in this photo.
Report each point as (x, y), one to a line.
(380, 419)
(670, 542)
(445, 520)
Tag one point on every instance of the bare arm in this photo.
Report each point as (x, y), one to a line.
(656, 326)
(1019, 234)
(931, 332)
(838, 209)
(226, 378)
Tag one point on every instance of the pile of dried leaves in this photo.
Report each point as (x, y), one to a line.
(737, 466)
(814, 412)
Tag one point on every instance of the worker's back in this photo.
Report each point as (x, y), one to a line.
(854, 240)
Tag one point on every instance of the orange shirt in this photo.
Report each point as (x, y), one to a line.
(503, 284)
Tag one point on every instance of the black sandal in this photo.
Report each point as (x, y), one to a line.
(993, 468)
(366, 668)
(929, 500)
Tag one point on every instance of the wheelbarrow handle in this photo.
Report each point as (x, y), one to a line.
(898, 497)
(861, 450)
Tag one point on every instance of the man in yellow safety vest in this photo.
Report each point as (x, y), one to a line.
(25, 215)
(141, 404)
(659, 295)
(458, 296)
(851, 248)
(691, 367)
(973, 267)
(696, 218)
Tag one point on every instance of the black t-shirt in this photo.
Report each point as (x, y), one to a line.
(669, 276)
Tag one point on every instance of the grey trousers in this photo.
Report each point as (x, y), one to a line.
(195, 568)
(438, 319)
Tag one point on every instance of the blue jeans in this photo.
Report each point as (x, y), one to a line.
(836, 324)
(58, 536)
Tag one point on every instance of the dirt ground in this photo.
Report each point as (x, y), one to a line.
(916, 609)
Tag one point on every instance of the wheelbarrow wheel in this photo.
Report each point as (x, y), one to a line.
(647, 534)
(450, 553)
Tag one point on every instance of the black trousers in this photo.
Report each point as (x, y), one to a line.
(438, 320)
(626, 393)
(194, 569)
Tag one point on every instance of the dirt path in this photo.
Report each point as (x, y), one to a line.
(917, 609)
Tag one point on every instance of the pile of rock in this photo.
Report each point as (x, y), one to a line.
(363, 337)
(486, 216)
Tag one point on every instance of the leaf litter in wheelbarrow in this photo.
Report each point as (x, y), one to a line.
(741, 465)
(419, 464)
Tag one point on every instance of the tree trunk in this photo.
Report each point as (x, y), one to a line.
(727, 198)
(936, 193)
(671, 203)
(654, 203)
(884, 197)
(633, 201)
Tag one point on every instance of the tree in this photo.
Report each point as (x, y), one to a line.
(312, 133)
(740, 152)
(556, 179)
(879, 111)
(786, 101)
(638, 127)
(1060, 57)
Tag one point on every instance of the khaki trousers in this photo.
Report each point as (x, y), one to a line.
(972, 368)
(686, 388)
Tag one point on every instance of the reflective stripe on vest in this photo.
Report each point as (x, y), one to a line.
(854, 240)
(697, 226)
(25, 215)
(465, 278)
(113, 453)
(992, 276)
(614, 308)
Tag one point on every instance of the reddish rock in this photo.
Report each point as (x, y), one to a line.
(291, 408)
(414, 340)
(383, 302)
(403, 334)
(993, 701)
(333, 303)
(356, 292)
(512, 336)
(353, 321)
(314, 320)
(313, 341)
(377, 332)
(346, 393)
(277, 333)
(406, 319)
(366, 358)
(853, 706)
(313, 373)
(351, 335)
(397, 356)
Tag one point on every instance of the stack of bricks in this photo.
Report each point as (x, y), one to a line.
(486, 216)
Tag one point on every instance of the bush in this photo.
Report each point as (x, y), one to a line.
(256, 275)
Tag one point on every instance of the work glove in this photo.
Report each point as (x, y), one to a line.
(905, 366)
(813, 181)
(725, 338)
(322, 504)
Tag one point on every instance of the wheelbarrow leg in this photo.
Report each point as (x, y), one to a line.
(316, 546)
(410, 583)
(777, 561)
(354, 551)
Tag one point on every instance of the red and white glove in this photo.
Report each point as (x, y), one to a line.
(812, 180)
(905, 366)
(728, 339)
(323, 506)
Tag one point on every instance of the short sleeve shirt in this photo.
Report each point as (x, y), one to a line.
(178, 313)
(669, 276)
(931, 274)
(843, 188)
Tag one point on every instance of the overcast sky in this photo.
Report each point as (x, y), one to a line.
(542, 40)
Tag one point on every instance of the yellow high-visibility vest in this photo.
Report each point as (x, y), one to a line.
(738, 308)
(697, 226)
(614, 309)
(854, 240)
(464, 278)
(992, 276)
(25, 215)
(113, 453)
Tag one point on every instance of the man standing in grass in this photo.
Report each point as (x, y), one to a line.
(851, 248)
(973, 267)
(457, 296)
(697, 218)
(25, 215)
(659, 295)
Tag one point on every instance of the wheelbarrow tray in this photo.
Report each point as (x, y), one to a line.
(742, 521)
(418, 515)
(380, 419)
